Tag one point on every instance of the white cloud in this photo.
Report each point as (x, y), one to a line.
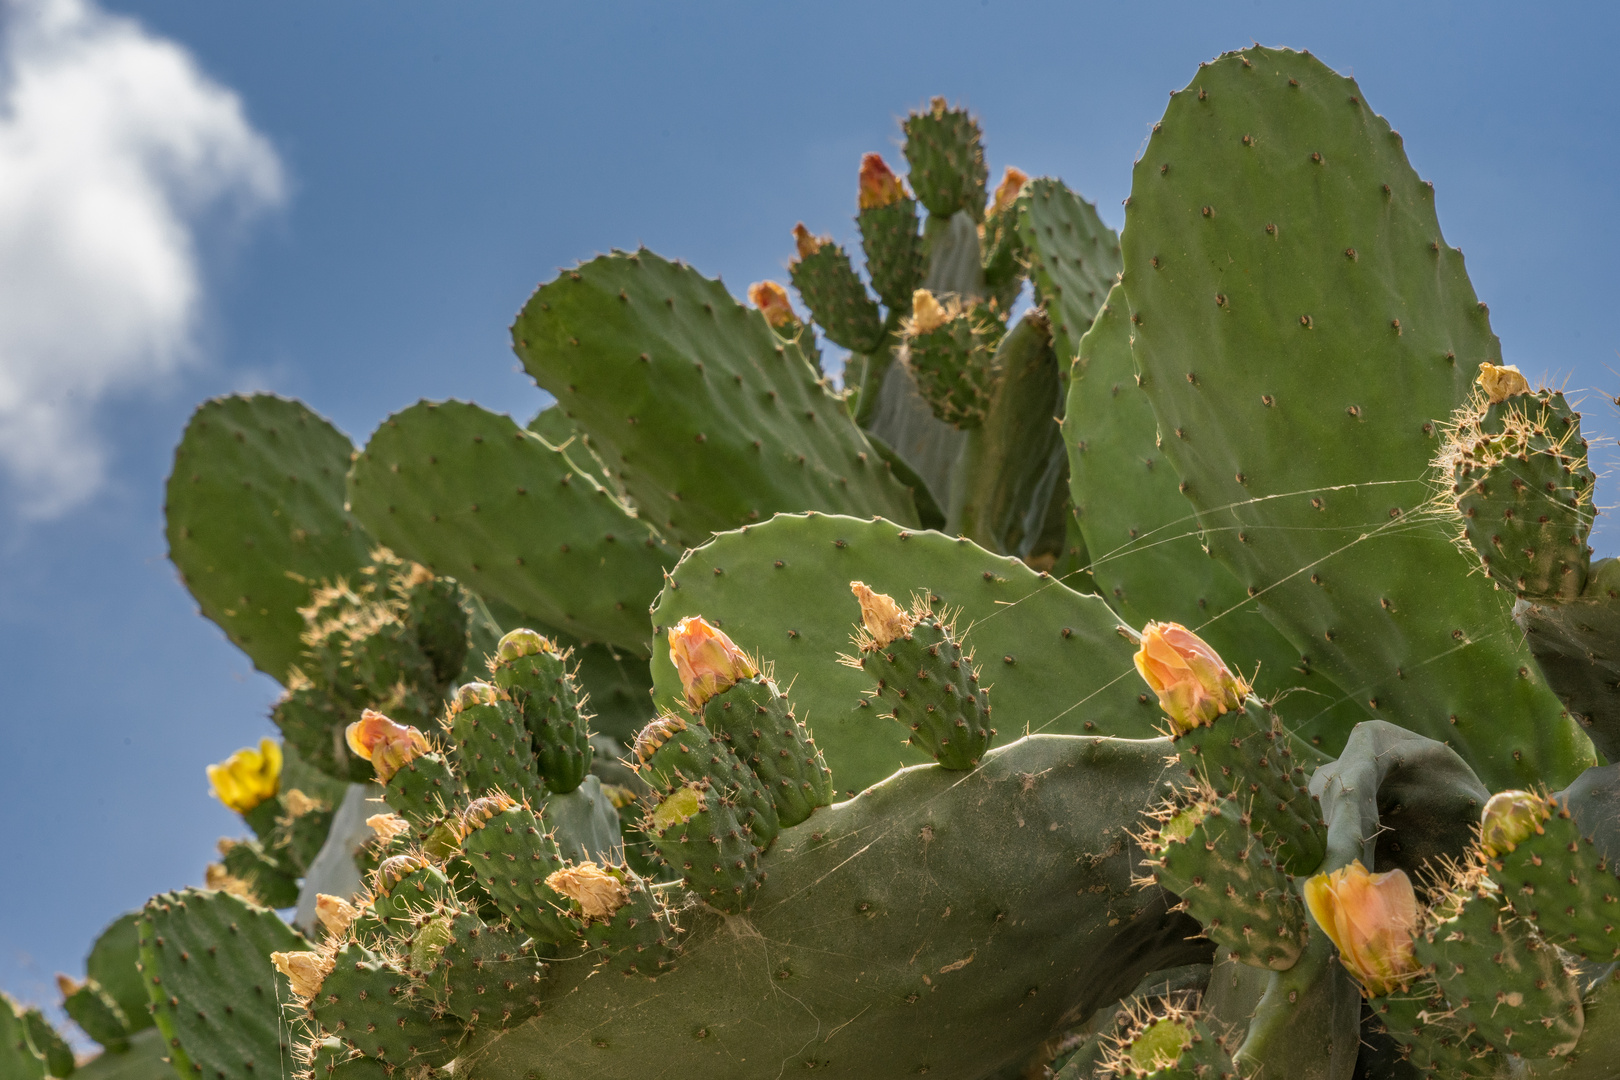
(112, 145)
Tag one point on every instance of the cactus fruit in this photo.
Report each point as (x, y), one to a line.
(835, 296)
(947, 161)
(490, 744)
(512, 856)
(888, 224)
(536, 674)
(950, 349)
(755, 719)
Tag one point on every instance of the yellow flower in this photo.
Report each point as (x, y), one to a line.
(772, 301)
(879, 186)
(1193, 683)
(599, 892)
(1012, 182)
(880, 615)
(306, 971)
(707, 660)
(1501, 382)
(1372, 919)
(248, 777)
(387, 745)
(927, 314)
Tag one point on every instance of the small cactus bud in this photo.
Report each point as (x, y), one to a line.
(474, 693)
(656, 734)
(598, 892)
(1509, 818)
(1501, 382)
(879, 186)
(306, 971)
(68, 985)
(680, 806)
(772, 301)
(387, 745)
(881, 616)
(387, 826)
(248, 777)
(335, 913)
(1372, 919)
(1193, 683)
(479, 811)
(1012, 182)
(519, 643)
(808, 243)
(927, 313)
(707, 660)
(396, 867)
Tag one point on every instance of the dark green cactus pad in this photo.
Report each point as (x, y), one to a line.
(255, 511)
(470, 494)
(490, 746)
(544, 686)
(511, 856)
(954, 365)
(701, 833)
(640, 938)
(422, 791)
(931, 687)
(849, 935)
(1233, 886)
(1147, 555)
(1175, 1047)
(757, 721)
(485, 974)
(398, 903)
(1577, 646)
(205, 958)
(1433, 1042)
(1004, 257)
(368, 1003)
(675, 751)
(893, 251)
(436, 612)
(146, 1059)
(1074, 259)
(100, 1017)
(1500, 978)
(785, 444)
(18, 1058)
(114, 963)
(1247, 753)
(48, 1043)
(1558, 880)
(1289, 288)
(1524, 490)
(782, 589)
(274, 883)
(837, 299)
(947, 160)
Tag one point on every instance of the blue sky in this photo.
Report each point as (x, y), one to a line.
(348, 203)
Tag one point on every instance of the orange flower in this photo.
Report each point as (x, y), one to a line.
(879, 186)
(1193, 683)
(1372, 919)
(387, 745)
(1012, 182)
(707, 660)
(880, 615)
(772, 301)
(1501, 382)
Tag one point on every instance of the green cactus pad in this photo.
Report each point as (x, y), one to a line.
(672, 752)
(848, 958)
(1433, 1041)
(48, 1043)
(512, 855)
(836, 298)
(954, 364)
(274, 884)
(1523, 489)
(1074, 259)
(709, 420)
(398, 903)
(422, 790)
(18, 1058)
(1178, 1047)
(782, 590)
(700, 831)
(114, 963)
(255, 511)
(545, 689)
(1232, 884)
(1558, 880)
(893, 252)
(205, 958)
(1147, 554)
(370, 1004)
(470, 494)
(436, 611)
(1289, 288)
(932, 688)
(947, 160)
(1499, 977)
(756, 719)
(1246, 753)
(490, 745)
(640, 938)
(484, 974)
(100, 1017)
(1576, 644)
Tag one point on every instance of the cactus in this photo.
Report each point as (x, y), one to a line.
(1229, 815)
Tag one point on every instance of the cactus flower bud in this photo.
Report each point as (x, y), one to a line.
(927, 313)
(474, 693)
(306, 971)
(520, 643)
(248, 777)
(881, 616)
(1372, 919)
(335, 913)
(392, 870)
(1501, 382)
(68, 985)
(1012, 182)
(656, 734)
(681, 806)
(479, 811)
(808, 243)
(1193, 683)
(598, 892)
(879, 186)
(387, 745)
(772, 301)
(1510, 818)
(707, 660)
